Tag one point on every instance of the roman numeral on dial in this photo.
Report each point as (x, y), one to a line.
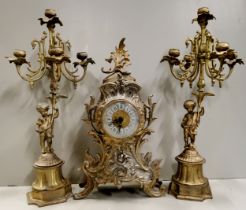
(125, 127)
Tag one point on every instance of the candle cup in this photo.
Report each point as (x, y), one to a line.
(19, 53)
(222, 46)
(188, 58)
(82, 55)
(57, 51)
(174, 53)
(203, 10)
(49, 13)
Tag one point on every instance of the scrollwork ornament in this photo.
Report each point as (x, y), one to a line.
(120, 160)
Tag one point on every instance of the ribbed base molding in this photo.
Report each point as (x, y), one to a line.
(190, 192)
(45, 198)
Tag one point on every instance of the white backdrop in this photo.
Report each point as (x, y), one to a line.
(150, 28)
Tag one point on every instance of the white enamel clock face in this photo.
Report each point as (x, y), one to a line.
(120, 119)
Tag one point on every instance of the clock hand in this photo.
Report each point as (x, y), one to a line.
(119, 127)
(118, 122)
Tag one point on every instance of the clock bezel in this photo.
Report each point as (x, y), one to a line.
(137, 105)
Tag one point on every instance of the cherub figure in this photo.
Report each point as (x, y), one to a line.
(191, 122)
(45, 126)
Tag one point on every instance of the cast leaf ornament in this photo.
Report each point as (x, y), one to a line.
(120, 59)
(120, 124)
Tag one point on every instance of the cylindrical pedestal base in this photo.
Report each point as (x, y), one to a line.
(189, 182)
(50, 187)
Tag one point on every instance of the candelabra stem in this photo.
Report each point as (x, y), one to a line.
(201, 82)
(51, 37)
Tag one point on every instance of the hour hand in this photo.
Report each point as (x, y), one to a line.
(118, 122)
(119, 127)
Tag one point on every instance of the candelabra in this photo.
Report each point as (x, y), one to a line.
(208, 57)
(50, 186)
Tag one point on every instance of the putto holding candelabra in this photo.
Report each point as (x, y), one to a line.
(50, 186)
(208, 57)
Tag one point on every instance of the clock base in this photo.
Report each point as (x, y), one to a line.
(129, 170)
(189, 183)
(111, 187)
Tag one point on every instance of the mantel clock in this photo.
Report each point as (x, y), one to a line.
(120, 122)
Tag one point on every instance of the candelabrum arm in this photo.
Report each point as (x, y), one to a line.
(172, 61)
(187, 67)
(83, 63)
(194, 73)
(41, 55)
(71, 75)
(30, 77)
(215, 74)
(19, 59)
(188, 42)
(227, 60)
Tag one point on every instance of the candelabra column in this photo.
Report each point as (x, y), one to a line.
(50, 187)
(189, 181)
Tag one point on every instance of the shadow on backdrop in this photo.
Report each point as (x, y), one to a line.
(168, 111)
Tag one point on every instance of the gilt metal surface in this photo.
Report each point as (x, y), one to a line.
(216, 60)
(50, 187)
(120, 160)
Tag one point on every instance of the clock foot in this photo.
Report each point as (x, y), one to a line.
(87, 188)
(154, 188)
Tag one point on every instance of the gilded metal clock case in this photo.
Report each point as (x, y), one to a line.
(120, 122)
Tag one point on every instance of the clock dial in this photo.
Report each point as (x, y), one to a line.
(120, 119)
